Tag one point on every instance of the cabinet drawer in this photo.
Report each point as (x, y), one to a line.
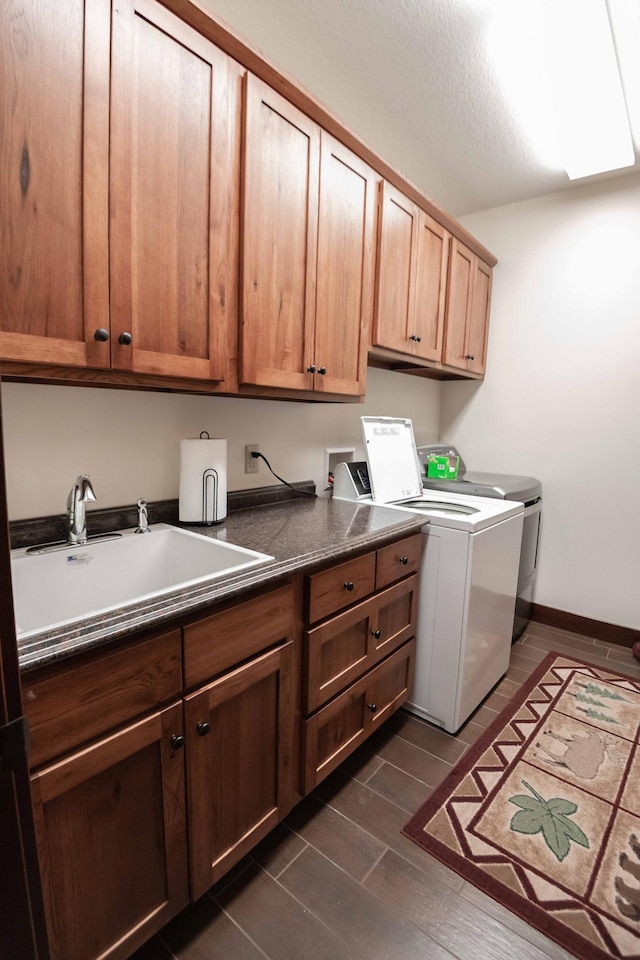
(337, 729)
(398, 559)
(75, 704)
(339, 587)
(225, 639)
(346, 646)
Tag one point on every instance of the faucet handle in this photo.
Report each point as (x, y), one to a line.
(143, 518)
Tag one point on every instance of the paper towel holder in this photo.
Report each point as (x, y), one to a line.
(203, 481)
(209, 490)
(210, 496)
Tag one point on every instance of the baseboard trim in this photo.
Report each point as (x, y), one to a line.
(609, 632)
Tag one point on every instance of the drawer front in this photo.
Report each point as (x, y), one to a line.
(225, 639)
(336, 730)
(76, 704)
(339, 587)
(398, 559)
(337, 653)
(340, 650)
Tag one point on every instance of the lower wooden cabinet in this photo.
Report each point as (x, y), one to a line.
(238, 762)
(111, 832)
(345, 722)
(137, 812)
(342, 648)
(158, 764)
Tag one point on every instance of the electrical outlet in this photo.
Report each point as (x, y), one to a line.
(251, 464)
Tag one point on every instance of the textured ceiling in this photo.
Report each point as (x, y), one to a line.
(412, 78)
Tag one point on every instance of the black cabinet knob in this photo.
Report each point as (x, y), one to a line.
(349, 585)
(177, 741)
(376, 634)
(373, 707)
(322, 371)
(203, 728)
(125, 339)
(418, 339)
(412, 336)
(102, 335)
(404, 560)
(312, 368)
(469, 356)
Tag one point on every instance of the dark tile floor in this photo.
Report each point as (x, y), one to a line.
(338, 880)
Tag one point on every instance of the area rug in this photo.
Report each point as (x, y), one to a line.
(543, 812)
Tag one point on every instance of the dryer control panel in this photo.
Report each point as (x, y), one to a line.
(351, 481)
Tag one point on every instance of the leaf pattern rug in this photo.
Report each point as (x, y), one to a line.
(543, 812)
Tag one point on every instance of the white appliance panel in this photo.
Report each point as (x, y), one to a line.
(493, 578)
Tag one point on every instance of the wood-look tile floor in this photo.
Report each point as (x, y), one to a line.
(338, 880)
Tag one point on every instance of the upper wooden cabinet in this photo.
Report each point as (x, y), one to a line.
(54, 116)
(120, 201)
(411, 278)
(307, 252)
(467, 316)
(170, 183)
(170, 220)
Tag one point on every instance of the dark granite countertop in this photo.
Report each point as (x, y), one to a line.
(298, 533)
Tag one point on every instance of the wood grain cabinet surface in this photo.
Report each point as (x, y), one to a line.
(411, 278)
(118, 180)
(173, 220)
(358, 664)
(239, 762)
(307, 252)
(170, 180)
(111, 832)
(144, 794)
(467, 316)
(54, 190)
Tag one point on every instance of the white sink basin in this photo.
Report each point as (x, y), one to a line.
(52, 589)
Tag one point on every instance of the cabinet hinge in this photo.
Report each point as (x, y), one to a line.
(14, 744)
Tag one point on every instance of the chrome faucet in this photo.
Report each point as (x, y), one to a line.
(80, 494)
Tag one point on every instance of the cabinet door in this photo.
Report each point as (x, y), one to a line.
(344, 300)
(467, 314)
(170, 178)
(279, 241)
(239, 762)
(111, 830)
(479, 319)
(430, 288)
(54, 117)
(397, 244)
(335, 731)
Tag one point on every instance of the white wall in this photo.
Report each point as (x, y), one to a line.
(561, 400)
(129, 442)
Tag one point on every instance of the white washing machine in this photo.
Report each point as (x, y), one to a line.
(468, 578)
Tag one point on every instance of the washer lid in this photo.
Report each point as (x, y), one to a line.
(394, 468)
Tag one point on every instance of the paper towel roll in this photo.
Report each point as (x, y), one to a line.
(203, 481)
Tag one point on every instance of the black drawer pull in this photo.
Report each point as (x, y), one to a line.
(203, 728)
(376, 634)
(349, 585)
(373, 707)
(177, 741)
(404, 560)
